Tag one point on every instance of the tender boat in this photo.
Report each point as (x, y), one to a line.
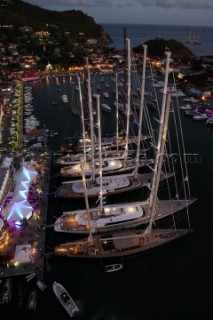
(186, 107)
(113, 267)
(64, 98)
(32, 301)
(201, 116)
(41, 285)
(105, 107)
(30, 276)
(209, 121)
(65, 299)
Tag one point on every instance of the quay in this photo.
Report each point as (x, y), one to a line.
(22, 247)
(30, 236)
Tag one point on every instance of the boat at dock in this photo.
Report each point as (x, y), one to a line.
(108, 167)
(116, 216)
(65, 299)
(116, 184)
(119, 244)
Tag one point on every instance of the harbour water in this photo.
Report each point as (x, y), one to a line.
(174, 282)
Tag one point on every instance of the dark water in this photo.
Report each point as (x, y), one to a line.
(174, 282)
(138, 34)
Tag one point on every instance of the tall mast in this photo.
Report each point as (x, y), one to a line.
(166, 100)
(86, 200)
(82, 117)
(99, 147)
(116, 99)
(125, 60)
(141, 109)
(91, 121)
(128, 98)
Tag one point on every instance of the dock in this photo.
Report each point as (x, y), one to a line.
(32, 233)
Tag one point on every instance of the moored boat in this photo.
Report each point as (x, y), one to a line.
(110, 185)
(65, 299)
(116, 216)
(108, 167)
(119, 244)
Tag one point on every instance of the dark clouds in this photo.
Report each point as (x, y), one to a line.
(181, 4)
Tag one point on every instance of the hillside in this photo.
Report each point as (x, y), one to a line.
(20, 13)
(156, 47)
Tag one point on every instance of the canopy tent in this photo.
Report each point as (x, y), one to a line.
(20, 195)
(25, 174)
(17, 211)
(22, 186)
(23, 253)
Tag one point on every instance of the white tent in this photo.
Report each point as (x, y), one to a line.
(17, 211)
(20, 195)
(22, 186)
(23, 253)
(25, 174)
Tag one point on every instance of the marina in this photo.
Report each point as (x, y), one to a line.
(46, 244)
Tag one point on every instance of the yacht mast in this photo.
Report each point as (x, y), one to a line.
(99, 147)
(91, 120)
(128, 97)
(86, 201)
(116, 97)
(141, 110)
(82, 117)
(166, 100)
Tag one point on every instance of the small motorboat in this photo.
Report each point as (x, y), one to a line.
(32, 301)
(113, 267)
(209, 121)
(201, 116)
(30, 276)
(65, 299)
(105, 107)
(41, 285)
(186, 107)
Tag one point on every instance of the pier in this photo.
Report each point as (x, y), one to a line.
(32, 233)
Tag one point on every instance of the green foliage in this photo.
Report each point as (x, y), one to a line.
(19, 13)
